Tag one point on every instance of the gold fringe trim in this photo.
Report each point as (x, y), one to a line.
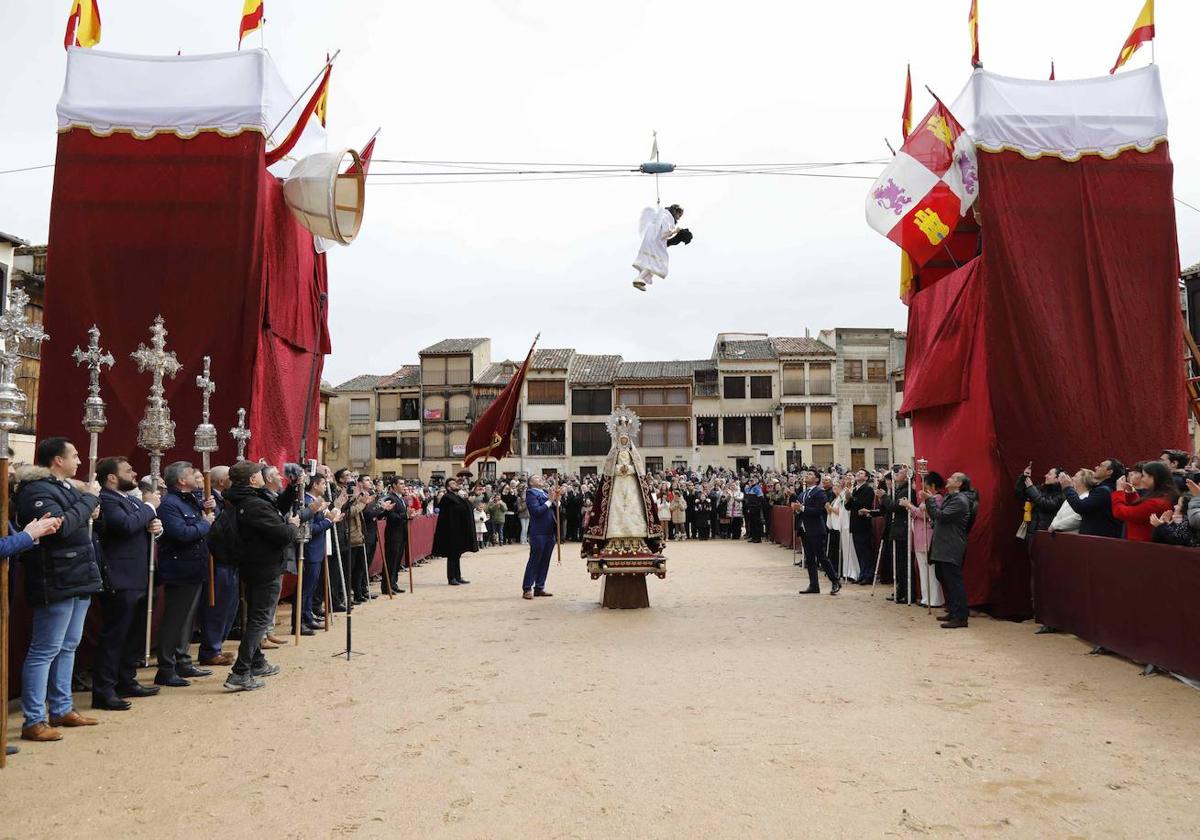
(1138, 147)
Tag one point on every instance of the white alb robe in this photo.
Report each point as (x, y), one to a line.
(656, 227)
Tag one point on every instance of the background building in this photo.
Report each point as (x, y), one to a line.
(351, 421)
(448, 370)
(398, 423)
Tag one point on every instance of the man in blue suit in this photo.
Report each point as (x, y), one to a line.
(543, 536)
(314, 551)
(810, 502)
(125, 528)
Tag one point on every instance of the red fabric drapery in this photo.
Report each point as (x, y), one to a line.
(196, 230)
(1059, 345)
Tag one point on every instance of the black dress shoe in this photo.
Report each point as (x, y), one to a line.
(837, 587)
(812, 590)
(137, 690)
(11, 749)
(111, 703)
(193, 671)
(339, 607)
(452, 582)
(171, 680)
(462, 582)
(954, 623)
(307, 631)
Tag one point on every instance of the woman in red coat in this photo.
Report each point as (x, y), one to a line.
(1134, 510)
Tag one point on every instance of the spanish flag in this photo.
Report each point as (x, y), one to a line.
(1143, 30)
(323, 102)
(252, 18)
(83, 25)
(973, 24)
(906, 114)
(285, 146)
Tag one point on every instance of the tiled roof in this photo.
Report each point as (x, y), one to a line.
(452, 345)
(408, 376)
(1190, 270)
(14, 240)
(745, 350)
(660, 370)
(593, 370)
(800, 347)
(551, 359)
(362, 382)
(497, 373)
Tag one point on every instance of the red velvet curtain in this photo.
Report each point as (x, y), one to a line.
(1060, 345)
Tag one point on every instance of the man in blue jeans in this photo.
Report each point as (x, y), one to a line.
(61, 575)
(543, 536)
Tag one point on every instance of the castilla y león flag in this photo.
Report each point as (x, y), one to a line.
(491, 436)
(929, 185)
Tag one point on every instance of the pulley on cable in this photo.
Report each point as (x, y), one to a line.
(659, 228)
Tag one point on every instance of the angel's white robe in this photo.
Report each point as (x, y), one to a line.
(656, 227)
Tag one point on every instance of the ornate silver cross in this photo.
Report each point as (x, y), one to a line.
(14, 329)
(156, 430)
(241, 434)
(206, 432)
(94, 418)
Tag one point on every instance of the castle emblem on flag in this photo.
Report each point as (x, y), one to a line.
(940, 129)
(891, 196)
(970, 176)
(931, 224)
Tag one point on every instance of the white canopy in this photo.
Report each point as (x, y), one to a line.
(145, 95)
(1065, 119)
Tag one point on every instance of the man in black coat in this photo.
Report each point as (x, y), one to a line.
(61, 576)
(862, 502)
(810, 504)
(1095, 512)
(897, 487)
(125, 527)
(572, 507)
(395, 532)
(454, 533)
(266, 540)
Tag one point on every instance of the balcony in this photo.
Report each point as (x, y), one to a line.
(808, 432)
(867, 430)
(548, 448)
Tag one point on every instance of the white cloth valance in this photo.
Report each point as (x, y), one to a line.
(1066, 119)
(142, 95)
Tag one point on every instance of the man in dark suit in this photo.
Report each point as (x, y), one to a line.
(810, 503)
(862, 501)
(395, 532)
(543, 536)
(126, 526)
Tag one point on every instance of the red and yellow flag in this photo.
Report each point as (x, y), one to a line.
(364, 157)
(973, 25)
(83, 25)
(906, 114)
(281, 151)
(252, 18)
(1143, 31)
(323, 102)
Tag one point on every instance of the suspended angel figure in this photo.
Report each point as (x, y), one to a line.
(659, 229)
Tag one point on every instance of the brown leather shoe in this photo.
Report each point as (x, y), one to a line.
(275, 640)
(528, 596)
(72, 718)
(40, 731)
(220, 660)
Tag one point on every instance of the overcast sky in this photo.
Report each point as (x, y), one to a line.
(542, 81)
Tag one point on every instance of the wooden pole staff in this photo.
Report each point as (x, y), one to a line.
(4, 603)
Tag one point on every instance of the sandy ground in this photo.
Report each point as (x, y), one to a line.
(731, 708)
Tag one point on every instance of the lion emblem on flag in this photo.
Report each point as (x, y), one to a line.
(891, 196)
(970, 175)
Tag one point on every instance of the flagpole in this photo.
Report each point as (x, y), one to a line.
(324, 67)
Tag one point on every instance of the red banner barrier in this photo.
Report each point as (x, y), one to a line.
(781, 525)
(1135, 599)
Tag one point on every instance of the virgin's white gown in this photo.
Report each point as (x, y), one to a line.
(626, 516)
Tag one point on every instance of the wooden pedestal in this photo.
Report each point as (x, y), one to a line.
(624, 592)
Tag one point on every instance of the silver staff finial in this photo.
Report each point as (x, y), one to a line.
(156, 431)
(94, 418)
(14, 331)
(206, 432)
(241, 434)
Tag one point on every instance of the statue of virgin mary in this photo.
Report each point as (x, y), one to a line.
(625, 524)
